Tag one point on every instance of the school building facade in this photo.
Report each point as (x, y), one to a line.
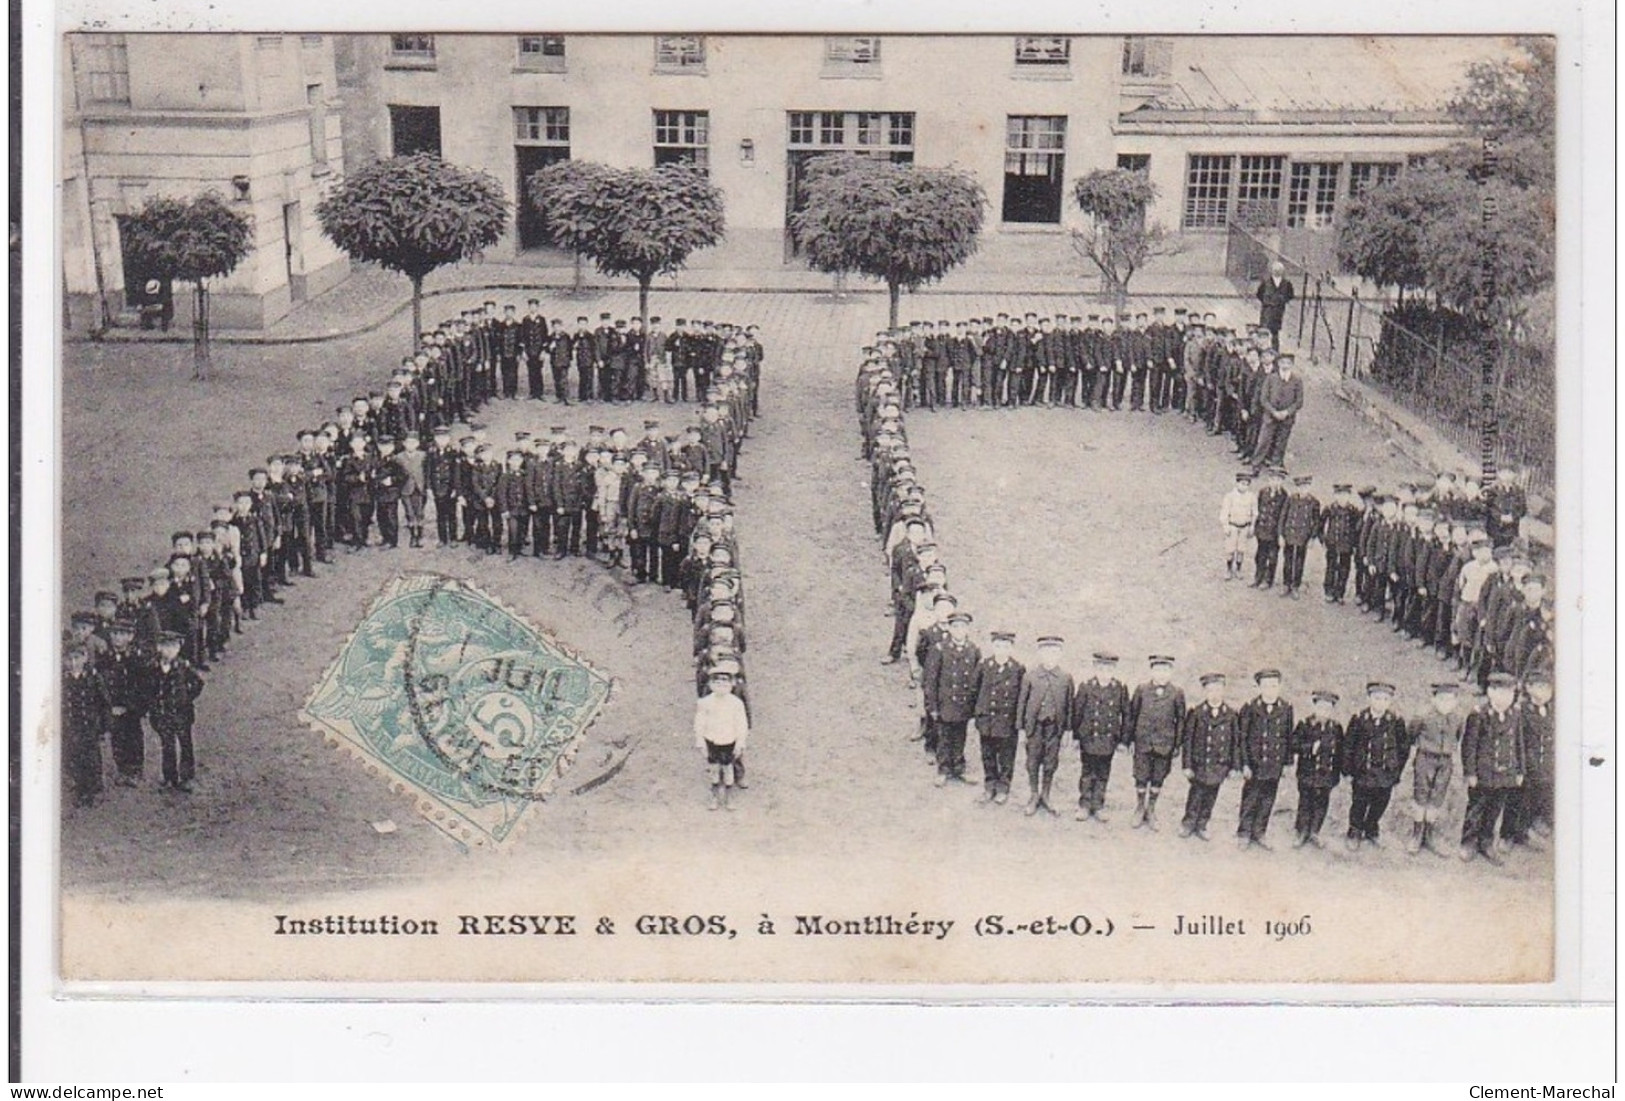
(254, 117)
(1278, 133)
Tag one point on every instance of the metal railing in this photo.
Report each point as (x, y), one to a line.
(1424, 359)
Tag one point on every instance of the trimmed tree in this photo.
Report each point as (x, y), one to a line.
(900, 223)
(191, 241)
(570, 197)
(414, 214)
(638, 222)
(1380, 234)
(1119, 241)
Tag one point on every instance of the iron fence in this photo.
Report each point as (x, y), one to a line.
(1426, 360)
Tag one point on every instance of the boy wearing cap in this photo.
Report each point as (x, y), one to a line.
(1156, 717)
(1530, 808)
(1266, 726)
(1300, 523)
(123, 670)
(1045, 709)
(1237, 512)
(1492, 764)
(1208, 753)
(1317, 755)
(86, 713)
(533, 342)
(950, 676)
(998, 699)
(1340, 530)
(1374, 752)
(389, 481)
(440, 478)
(1436, 735)
(173, 687)
(410, 461)
(1099, 721)
(356, 474)
(1272, 501)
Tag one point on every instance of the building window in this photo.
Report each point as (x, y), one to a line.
(317, 101)
(885, 135)
(411, 47)
(680, 53)
(1134, 162)
(1364, 175)
(1147, 57)
(541, 125)
(1258, 190)
(1312, 196)
(683, 137)
(1207, 191)
(414, 130)
(310, 41)
(1034, 168)
(542, 53)
(1043, 51)
(541, 136)
(878, 133)
(107, 68)
(847, 55)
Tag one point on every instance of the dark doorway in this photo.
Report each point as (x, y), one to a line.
(795, 196)
(414, 129)
(528, 159)
(1032, 192)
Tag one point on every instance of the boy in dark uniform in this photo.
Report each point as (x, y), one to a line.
(1340, 529)
(356, 473)
(1046, 708)
(173, 688)
(1099, 721)
(1300, 523)
(85, 718)
(1272, 501)
(1265, 722)
(950, 695)
(1208, 753)
(1156, 716)
(124, 675)
(1492, 763)
(1531, 807)
(998, 696)
(533, 343)
(1317, 746)
(1374, 751)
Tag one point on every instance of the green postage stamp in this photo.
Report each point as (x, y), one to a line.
(459, 702)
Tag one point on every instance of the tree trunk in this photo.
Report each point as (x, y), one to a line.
(200, 331)
(417, 311)
(894, 291)
(643, 299)
(580, 276)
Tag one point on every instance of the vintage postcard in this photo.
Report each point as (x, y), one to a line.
(1056, 510)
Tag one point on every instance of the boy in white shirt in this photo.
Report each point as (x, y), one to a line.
(1237, 513)
(721, 729)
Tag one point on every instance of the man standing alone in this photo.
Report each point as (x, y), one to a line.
(1274, 294)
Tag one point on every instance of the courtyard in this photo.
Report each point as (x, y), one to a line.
(1100, 527)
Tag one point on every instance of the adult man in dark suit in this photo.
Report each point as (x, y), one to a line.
(1274, 294)
(1280, 397)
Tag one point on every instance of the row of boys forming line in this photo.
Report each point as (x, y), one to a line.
(1503, 748)
(1423, 559)
(1009, 703)
(665, 501)
(1234, 382)
(618, 360)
